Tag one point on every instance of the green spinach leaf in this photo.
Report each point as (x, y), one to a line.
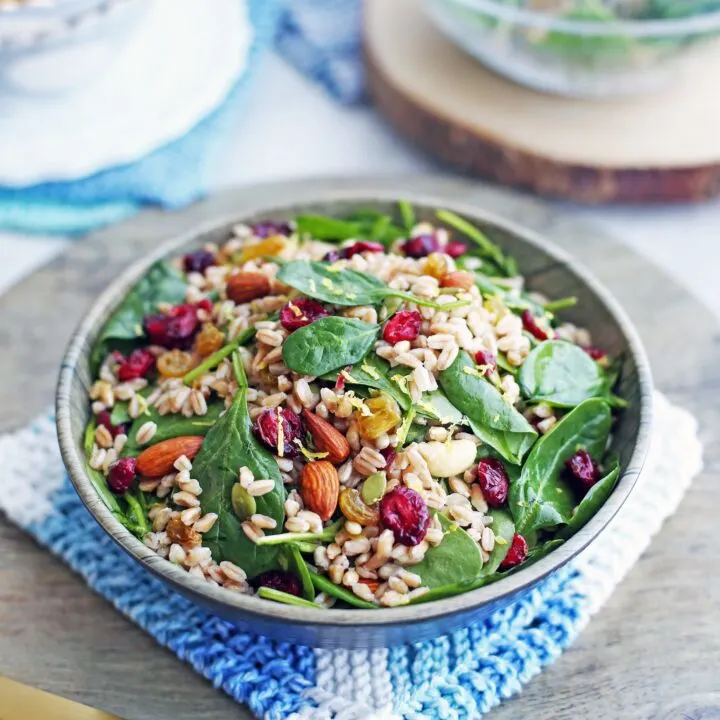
(560, 374)
(324, 584)
(161, 283)
(321, 281)
(374, 372)
(435, 405)
(456, 559)
(541, 497)
(321, 227)
(591, 503)
(490, 417)
(171, 426)
(229, 445)
(504, 529)
(328, 344)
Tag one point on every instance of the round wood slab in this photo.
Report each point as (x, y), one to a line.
(652, 652)
(656, 147)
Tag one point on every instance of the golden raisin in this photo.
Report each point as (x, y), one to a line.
(208, 340)
(384, 416)
(175, 363)
(353, 508)
(178, 532)
(437, 265)
(272, 245)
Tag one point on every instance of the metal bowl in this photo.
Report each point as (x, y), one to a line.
(547, 269)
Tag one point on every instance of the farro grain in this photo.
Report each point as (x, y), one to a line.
(145, 432)
(185, 499)
(363, 592)
(232, 571)
(258, 488)
(177, 554)
(205, 523)
(253, 533)
(263, 522)
(190, 515)
(103, 437)
(487, 540)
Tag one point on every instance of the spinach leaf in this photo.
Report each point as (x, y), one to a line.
(324, 584)
(486, 248)
(374, 372)
(161, 283)
(328, 344)
(346, 287)
(435, 405)
(297, 565)
(322, 227)
(120, 414)
(591, 503)
(541, 497)
(229, 445)
(171, 426)
(490, 417)
(416, 433)
(504, 529)
(456, 559)
(560, 374)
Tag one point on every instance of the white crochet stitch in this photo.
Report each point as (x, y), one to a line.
(357, 684)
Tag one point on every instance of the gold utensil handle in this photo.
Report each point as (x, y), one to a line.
(21, 702)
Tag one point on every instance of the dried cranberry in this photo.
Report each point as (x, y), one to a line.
(583, 469)
(493, 480)
(174, 330)
(268, 229)
(362, 246)
(517, 554)
(121, 475)
(204, 304)
(486, 359)
(455, 249)
(103, 418)
(301, 312)
(138, 364)
(198, 261)
(594, 352)
(267, 425)
(389, 454)
(403, 511)
(282, 580)
(530, 324)
(404, 325)
(421, 245)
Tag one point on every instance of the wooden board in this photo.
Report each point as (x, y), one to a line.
(652, 652)
(656, 147)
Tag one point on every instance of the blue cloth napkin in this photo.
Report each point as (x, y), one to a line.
(454, 677)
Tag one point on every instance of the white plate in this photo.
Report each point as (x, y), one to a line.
(177, 65)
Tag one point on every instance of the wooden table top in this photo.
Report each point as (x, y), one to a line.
(652, 652)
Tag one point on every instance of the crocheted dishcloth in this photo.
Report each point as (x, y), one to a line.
(458, 676)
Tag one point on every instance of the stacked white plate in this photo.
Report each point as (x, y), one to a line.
(144, 83)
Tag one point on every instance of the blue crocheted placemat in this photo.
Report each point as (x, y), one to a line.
(457, 676)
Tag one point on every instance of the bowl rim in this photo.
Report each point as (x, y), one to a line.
(593, 28)
(380, 617)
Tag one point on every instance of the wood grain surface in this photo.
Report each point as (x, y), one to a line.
(653, 652)
(657, 147)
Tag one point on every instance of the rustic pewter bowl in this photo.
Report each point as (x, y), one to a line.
(547, 269)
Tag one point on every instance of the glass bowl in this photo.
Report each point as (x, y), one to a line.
(582, 48)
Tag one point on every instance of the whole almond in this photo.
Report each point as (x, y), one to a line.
(458, 279)
(327, 438)
(158, 460)
(320, 487)
(246, 286)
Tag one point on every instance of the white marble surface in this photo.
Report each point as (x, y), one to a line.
(320, 138)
